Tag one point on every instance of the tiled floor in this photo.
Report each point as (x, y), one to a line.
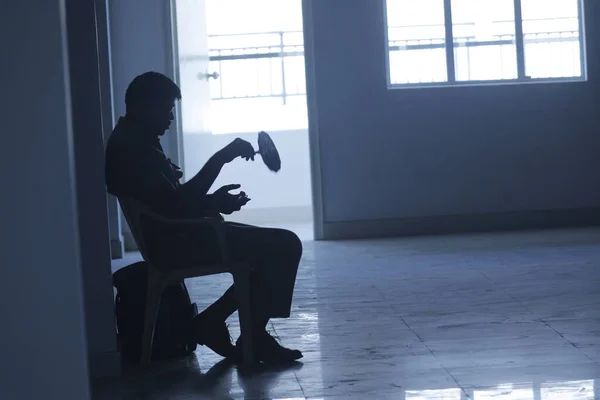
(497, 316)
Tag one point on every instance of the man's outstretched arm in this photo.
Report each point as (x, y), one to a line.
(205, 178)
(201, 183)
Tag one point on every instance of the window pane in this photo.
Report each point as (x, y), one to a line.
(484, 39)
(551, 37)
(416, 35)
(259, 57)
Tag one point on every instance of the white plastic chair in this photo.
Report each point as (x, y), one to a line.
(160, 276)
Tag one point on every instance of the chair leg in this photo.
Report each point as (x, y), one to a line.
(241, 281)
(154, 291)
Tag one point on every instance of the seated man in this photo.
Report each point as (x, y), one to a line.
(136, 167)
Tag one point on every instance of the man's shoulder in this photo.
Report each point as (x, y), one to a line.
(121, 161)
(121, 146)
(113, 144)
(118, 137)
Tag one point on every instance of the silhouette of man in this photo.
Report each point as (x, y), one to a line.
(137, 167)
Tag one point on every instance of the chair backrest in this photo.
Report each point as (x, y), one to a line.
(132, 210)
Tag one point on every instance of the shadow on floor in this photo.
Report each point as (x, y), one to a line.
(183, 378)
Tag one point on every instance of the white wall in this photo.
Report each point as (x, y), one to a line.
(398, 154)
(290, 187)
(139, 42)
(42, 340)
(103, 25)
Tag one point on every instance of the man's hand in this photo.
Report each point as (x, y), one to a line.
(227, 203)
(237, 148)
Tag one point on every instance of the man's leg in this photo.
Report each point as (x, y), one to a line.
(222, 309)
(226, 305)
(210, 328)
(274, 255)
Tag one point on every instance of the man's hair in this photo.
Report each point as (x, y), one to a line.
(148, 88)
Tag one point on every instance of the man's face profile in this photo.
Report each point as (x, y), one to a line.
(160, 115)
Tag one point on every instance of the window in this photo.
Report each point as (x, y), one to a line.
(259, 59)
(441, 42)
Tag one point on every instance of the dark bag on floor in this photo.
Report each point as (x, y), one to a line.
(173, 333)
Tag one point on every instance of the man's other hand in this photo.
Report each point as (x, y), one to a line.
(237, 148)
(228, 203)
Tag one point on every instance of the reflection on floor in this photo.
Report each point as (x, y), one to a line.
(498, 316)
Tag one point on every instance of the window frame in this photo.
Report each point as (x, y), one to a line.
(522, 78)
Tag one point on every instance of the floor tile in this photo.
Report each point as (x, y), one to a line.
(491, 316)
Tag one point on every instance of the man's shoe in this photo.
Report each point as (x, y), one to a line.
(213, 335)
(268, 350)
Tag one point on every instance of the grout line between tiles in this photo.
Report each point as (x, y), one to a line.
(542, 320)
(295, 375)
(421, 340)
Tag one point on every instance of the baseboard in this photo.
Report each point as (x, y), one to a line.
(473, 223)
(273, 215)
(116, 249)
(104, 365)
(129, 242)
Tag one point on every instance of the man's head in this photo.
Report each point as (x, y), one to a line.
(150, 99)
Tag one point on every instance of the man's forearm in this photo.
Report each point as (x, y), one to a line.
(208, 203)
(205, 178)
(200, 207)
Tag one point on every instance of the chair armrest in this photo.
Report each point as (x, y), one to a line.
(215, 223)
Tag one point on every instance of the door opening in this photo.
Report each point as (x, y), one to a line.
(241, 71)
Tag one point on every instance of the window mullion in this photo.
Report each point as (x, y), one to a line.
(450, 65)
(519, 40)
(582, 55)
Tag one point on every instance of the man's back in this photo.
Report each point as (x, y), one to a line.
(137, 167)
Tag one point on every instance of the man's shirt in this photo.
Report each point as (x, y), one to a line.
(137, 167)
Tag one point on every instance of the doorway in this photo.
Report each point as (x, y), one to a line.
(241, 70)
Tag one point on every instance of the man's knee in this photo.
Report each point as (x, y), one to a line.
(291, 242)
